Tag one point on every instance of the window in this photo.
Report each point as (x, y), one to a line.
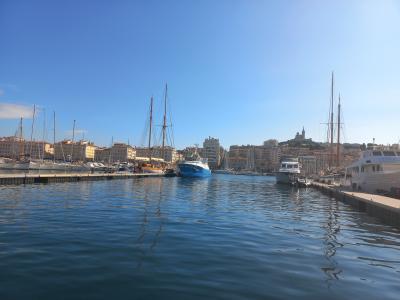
(295, 166)
(373, 168)
(362, 169)
(376, 153)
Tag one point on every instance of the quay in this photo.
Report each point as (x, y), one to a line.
(387, 209)
(16, 179)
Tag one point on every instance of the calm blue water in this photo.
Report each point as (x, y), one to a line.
(227, 237)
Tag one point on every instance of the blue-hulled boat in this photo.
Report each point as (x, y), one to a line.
(195, 168)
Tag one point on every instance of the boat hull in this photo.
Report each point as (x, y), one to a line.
(286, 177)
(189, 170)
(15, 166)
(372, 183)
(150, 170)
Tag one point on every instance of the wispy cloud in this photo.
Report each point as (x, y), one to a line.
(1, 92)
(15, 111)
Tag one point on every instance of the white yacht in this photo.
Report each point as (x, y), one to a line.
(289, 171)
(375, 171)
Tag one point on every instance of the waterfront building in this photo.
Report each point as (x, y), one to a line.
(14, 147)
(211, 151)
(271, 143)
(170, 153)
(11, 147)
(188, 152)
(74, 151)
(262, 159)
(308, 165)
(238, 156)
(119, 152)
(38, 150)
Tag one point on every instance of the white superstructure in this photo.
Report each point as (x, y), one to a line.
(374, 171)
(289, 171)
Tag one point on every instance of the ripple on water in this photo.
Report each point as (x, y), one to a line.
(227, 237)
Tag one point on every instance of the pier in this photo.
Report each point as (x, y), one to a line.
(16, 179)
(385, 208)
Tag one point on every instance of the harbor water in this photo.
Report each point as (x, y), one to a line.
(223, 237)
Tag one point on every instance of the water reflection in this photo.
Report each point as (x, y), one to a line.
(331, 243)
(147, 239)
(226, 237)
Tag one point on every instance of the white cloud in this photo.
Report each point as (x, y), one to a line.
(1, 92)
(15, 111)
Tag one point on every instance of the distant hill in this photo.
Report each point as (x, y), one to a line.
(307, 143)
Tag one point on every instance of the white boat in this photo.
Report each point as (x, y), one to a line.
(289, 171)
(375, 171)
(58, 166)
(304, 182)
(11, 164)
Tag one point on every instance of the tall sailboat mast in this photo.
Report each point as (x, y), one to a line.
(331, 125)
(338, 137)
(54, 136)
(110, 154)
(33, 124)
(44, 133)
(21, 142)
(151, 123)
(164, 127)
(73, 139)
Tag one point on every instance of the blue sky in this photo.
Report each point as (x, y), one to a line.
(242, 71)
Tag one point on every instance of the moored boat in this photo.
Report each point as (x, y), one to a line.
(152, 169)
(375, 171)
(195, 168)
(289, 171)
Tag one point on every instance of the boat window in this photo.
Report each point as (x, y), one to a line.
(376, 153)
(289, 166)
(389, 153)
(378, 168)
(295, 166)
(373, 168)
(362, 169)
(283, 165)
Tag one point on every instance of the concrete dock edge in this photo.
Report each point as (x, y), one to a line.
(385, 208)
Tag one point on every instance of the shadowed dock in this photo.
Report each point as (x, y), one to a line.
(385, 208)
(15, 179)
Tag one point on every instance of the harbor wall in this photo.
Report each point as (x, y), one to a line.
(53, 178)
(385, 208)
